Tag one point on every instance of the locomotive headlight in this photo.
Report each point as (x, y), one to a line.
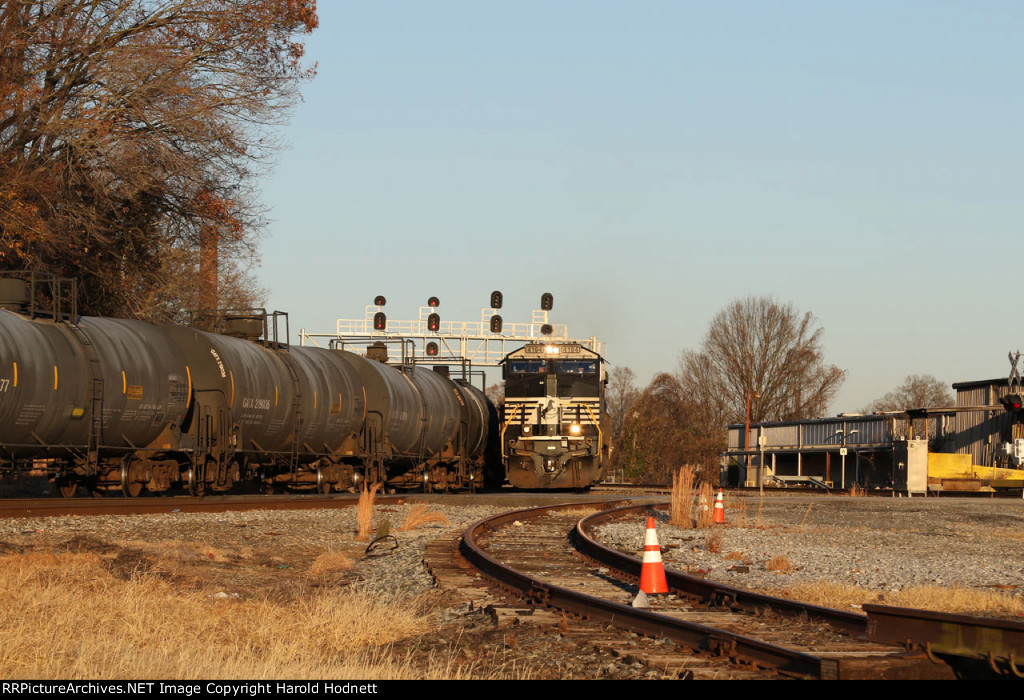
(575, 429)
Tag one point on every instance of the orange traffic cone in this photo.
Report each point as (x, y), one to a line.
(652, 573)
(719, 515)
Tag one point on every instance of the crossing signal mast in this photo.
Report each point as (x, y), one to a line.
(482, 343)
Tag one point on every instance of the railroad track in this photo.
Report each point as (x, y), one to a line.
(718, 632)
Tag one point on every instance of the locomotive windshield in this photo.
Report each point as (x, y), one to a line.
(580, 367)
(527, 366)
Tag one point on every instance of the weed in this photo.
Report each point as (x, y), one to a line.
(780, 563)
(364, 512)
(681, 503)
(419, 516)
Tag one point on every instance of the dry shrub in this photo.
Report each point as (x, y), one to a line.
(733, 556)
(364, 512)
(713, 542)
(681, 504)
(331, 562)
(420, 516)
(706, 509)
(780, 563)
(856, 491)
(67, 616)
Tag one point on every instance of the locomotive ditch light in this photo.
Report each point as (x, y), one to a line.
(496, 324)
(546, 329)
(496, 299)
(433, 322)
(526, 430)
(546, 301)
(379, 300)
(575, 429)
(433, 302)
(432, 349)
(380, 321)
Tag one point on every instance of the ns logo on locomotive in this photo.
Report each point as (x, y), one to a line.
(126, 406)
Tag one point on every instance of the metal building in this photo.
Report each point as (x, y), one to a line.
(870, 450)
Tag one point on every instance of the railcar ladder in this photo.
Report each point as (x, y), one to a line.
(96, 410)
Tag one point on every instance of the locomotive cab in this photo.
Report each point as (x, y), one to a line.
(552, 432)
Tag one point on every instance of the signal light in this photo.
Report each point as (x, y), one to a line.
(1013, 403)
(432, 349)
(433, 322)
(546, 301)
(380, 321)
(379, 300)
(546, 329)
(496, 324)
(496, 299)
(433, 302)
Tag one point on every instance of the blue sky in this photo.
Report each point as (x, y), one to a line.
(648, 163)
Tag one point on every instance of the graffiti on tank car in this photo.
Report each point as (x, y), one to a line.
(220, 363)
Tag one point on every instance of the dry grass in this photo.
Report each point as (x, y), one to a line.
(706, 510)
(952, 600)
(681, 504)
(331, 562)
(69, 616)
(856, 491)
(364, 512)
(420, 516)
(780, 563)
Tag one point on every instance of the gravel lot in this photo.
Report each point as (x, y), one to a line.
(883, 544)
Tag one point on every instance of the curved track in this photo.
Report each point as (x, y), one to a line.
(533, 553)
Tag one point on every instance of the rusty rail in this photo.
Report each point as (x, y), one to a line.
(710, 591)
(694, 636)
(977, 646)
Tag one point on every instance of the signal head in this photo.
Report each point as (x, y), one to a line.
(379, 300)
(546, 329)
(431, 349)
(433, 302)
(1013, 403)
(496, 299)
(433, 322)
(496, 324)
(380, 321)
(546, 301)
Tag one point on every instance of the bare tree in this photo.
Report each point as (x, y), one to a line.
(916, 391)
(663, 431)
(769, 351)
(496, 393)
(129, 127)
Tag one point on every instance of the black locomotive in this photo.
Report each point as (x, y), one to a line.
(120, 405)
(554, 432)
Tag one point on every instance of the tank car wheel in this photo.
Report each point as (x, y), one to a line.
(194, 483)
(68, 489)
(130, 486)
(322, 484)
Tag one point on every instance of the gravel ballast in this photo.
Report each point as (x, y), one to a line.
(876, 543)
